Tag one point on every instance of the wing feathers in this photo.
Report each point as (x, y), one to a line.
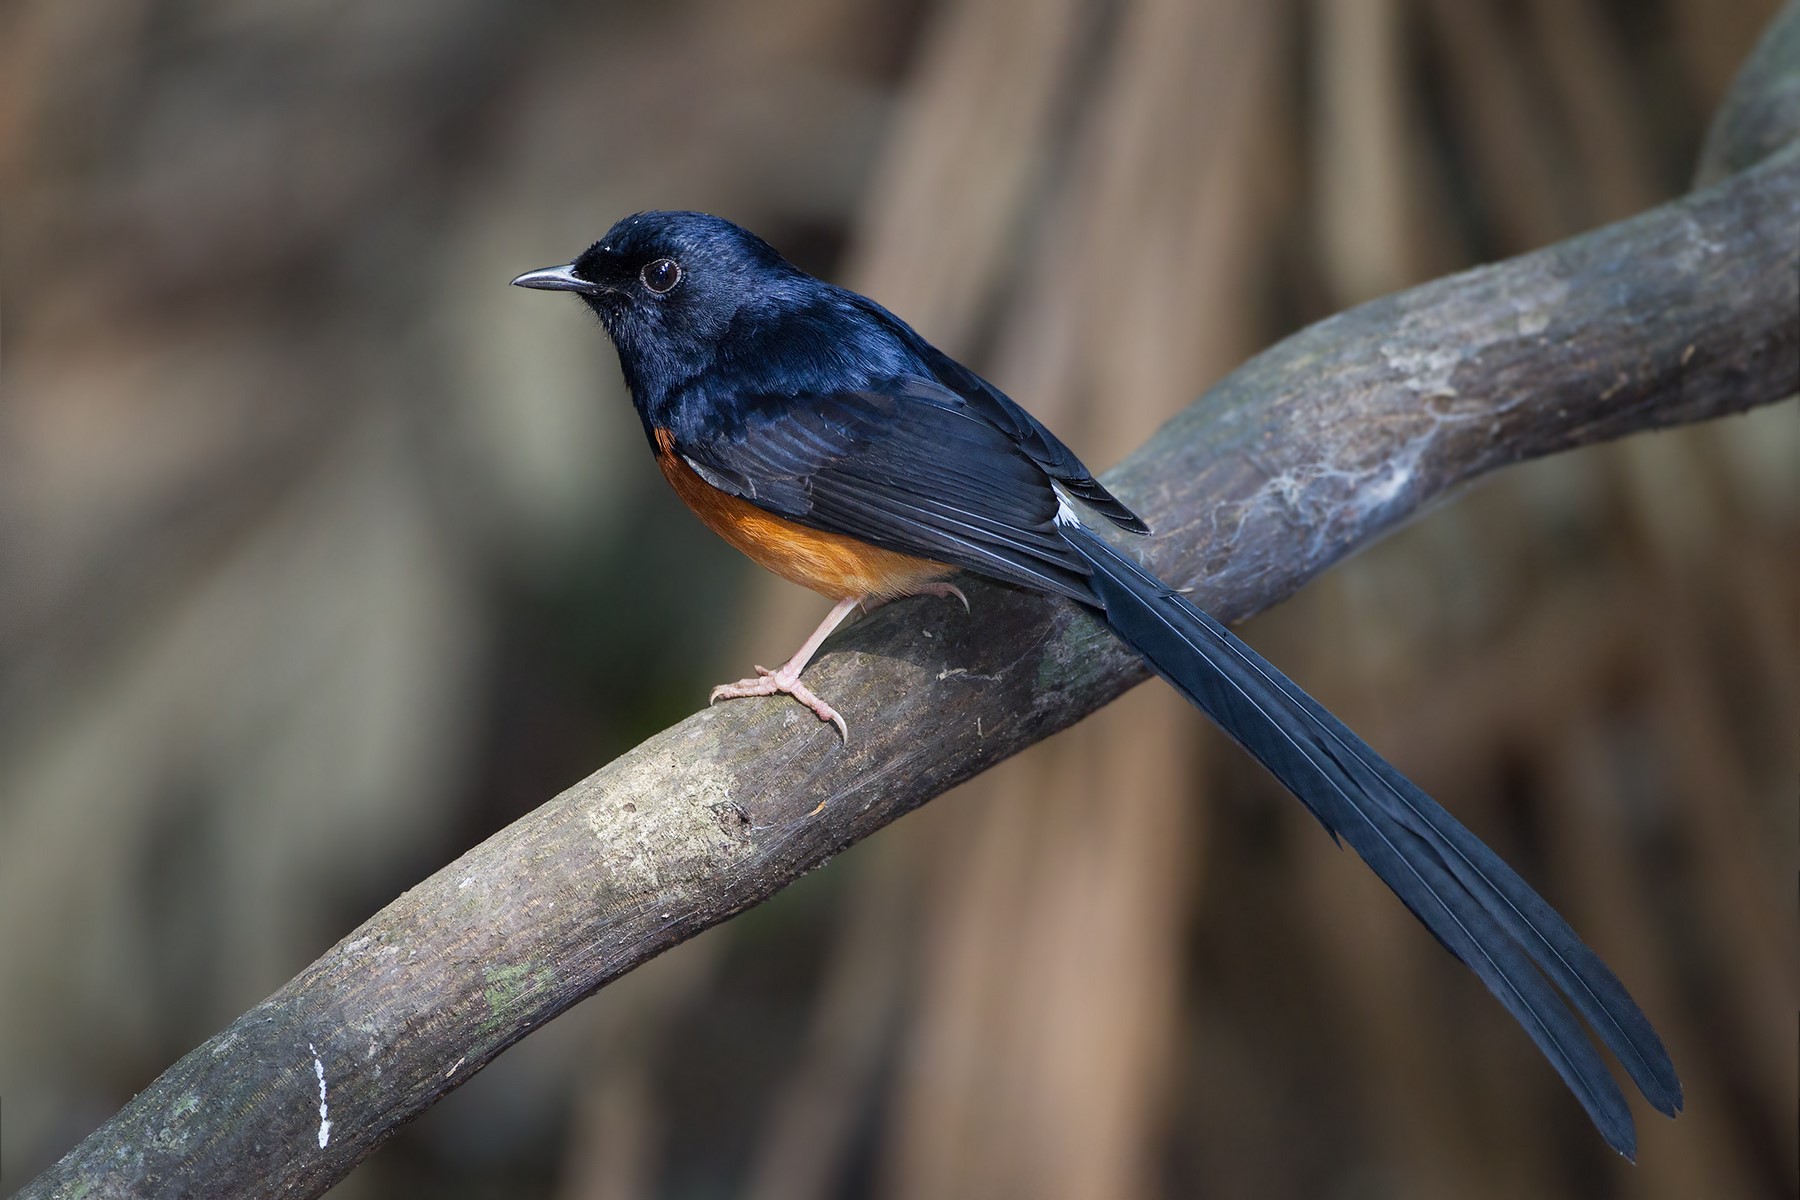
(916, 471)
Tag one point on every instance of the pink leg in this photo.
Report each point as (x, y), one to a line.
(785, 679)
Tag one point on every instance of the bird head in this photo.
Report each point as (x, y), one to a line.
(666, 285)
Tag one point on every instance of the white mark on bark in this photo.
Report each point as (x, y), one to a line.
(1388, 488)
(1426, 372)
(324, 1113)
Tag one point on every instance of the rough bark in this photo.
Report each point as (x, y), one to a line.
(1686, 313)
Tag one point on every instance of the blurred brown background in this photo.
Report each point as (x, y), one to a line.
(323, 554)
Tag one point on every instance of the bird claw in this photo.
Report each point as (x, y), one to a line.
(946, 591)
(762, 685)
(774, 683)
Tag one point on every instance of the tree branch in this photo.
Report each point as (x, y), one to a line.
(1314, 448)
(1761, 114)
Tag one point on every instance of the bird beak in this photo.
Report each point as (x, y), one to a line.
(557, 279)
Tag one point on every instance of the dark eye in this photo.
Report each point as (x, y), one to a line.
(661, 276)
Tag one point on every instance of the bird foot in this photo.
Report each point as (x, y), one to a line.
(946, 591)
(780, 683)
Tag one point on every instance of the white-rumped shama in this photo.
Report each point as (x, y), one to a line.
(823, 437)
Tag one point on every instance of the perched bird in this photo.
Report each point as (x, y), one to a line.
(823, 437)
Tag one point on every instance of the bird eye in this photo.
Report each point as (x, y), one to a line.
(661, 276)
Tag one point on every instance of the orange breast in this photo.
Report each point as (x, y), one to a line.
(837, 566)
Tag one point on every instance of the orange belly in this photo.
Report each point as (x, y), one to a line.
(837, 566)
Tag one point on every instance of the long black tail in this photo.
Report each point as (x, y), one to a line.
(1474, 903)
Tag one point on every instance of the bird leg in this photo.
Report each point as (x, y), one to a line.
(785, 679)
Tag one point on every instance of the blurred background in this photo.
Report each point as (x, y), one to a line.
(323, 554)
